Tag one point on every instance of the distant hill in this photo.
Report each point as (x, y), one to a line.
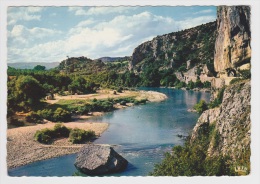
(31, 65)
(114, 59)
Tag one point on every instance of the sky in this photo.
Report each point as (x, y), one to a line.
(50, 34)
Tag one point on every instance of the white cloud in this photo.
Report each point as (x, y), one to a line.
(22, 34)
(204, 11)
(23, 13)
(107, 10)
(34, 9)
(85, 23)
(100, 10)
(117, 37)
(191, 22)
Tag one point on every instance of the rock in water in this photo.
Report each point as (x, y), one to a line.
(97, 160)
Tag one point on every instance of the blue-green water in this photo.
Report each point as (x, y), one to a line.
(142, 134)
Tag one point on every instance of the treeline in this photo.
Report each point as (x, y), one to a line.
(27, 87)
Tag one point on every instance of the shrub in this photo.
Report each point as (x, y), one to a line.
(44, 136)
(207, 84)
(78, 135)
(61, 115)
(245, 74)
(235, 80)
(201, 106)
(179, 84)
(33, 117)
(16, 122)
(199, 84)
(58, 115)
(191, 85)
(46, 114)
(61, 131)
(192, 160)
(217, 101)
(142, 101)
(119, 90)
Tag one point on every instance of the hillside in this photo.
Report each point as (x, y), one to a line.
(114, 59)
(175, 50)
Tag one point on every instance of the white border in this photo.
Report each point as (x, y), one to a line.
(254, 177)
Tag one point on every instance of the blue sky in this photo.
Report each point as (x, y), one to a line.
(49, 34)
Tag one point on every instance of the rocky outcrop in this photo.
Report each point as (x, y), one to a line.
(231, 123)
(232, 46)
(97, 160)
(174, 49)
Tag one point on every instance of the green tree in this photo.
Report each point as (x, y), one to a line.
(39, 68)
(28, 91)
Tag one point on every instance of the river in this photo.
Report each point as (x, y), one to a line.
(141, 134)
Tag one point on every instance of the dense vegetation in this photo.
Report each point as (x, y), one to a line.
(75, 135)
(202, 105)
(192, 159)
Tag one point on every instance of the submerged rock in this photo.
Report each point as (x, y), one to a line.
(97, 160)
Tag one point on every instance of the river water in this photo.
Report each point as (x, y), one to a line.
(141, 134)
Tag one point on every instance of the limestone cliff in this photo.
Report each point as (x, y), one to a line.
(232, 46)
(231, 124)
(178, 49)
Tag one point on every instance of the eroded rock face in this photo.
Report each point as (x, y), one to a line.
(163, 49)
(232, 46)
(97, 160)
(231, 121)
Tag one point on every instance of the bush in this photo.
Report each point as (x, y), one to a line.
(61, 115)
(179, 84)
(192, 160)
(44, 136)
(78, 135)
(58, 115)
(33, 117)
(207, 84)
(61, 131)
(46, 114)
(245, 74)
(16, 122)
(217, 101)
(142, 101)
(201, 106)
(235, 80)
(119, 90)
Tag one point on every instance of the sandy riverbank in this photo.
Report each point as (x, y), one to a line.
(151, 96)
(22, 149)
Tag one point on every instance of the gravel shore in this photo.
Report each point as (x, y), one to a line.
(22, 149)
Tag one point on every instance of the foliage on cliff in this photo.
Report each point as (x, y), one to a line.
(219, 143)
(192, 159)
(174, 49)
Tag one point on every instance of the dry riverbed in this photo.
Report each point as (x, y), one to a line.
(22, 149)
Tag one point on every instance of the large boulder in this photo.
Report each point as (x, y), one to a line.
(97, 160)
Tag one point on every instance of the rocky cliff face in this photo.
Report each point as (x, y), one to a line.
(231, 124)
(175, 49)
(232, 46)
